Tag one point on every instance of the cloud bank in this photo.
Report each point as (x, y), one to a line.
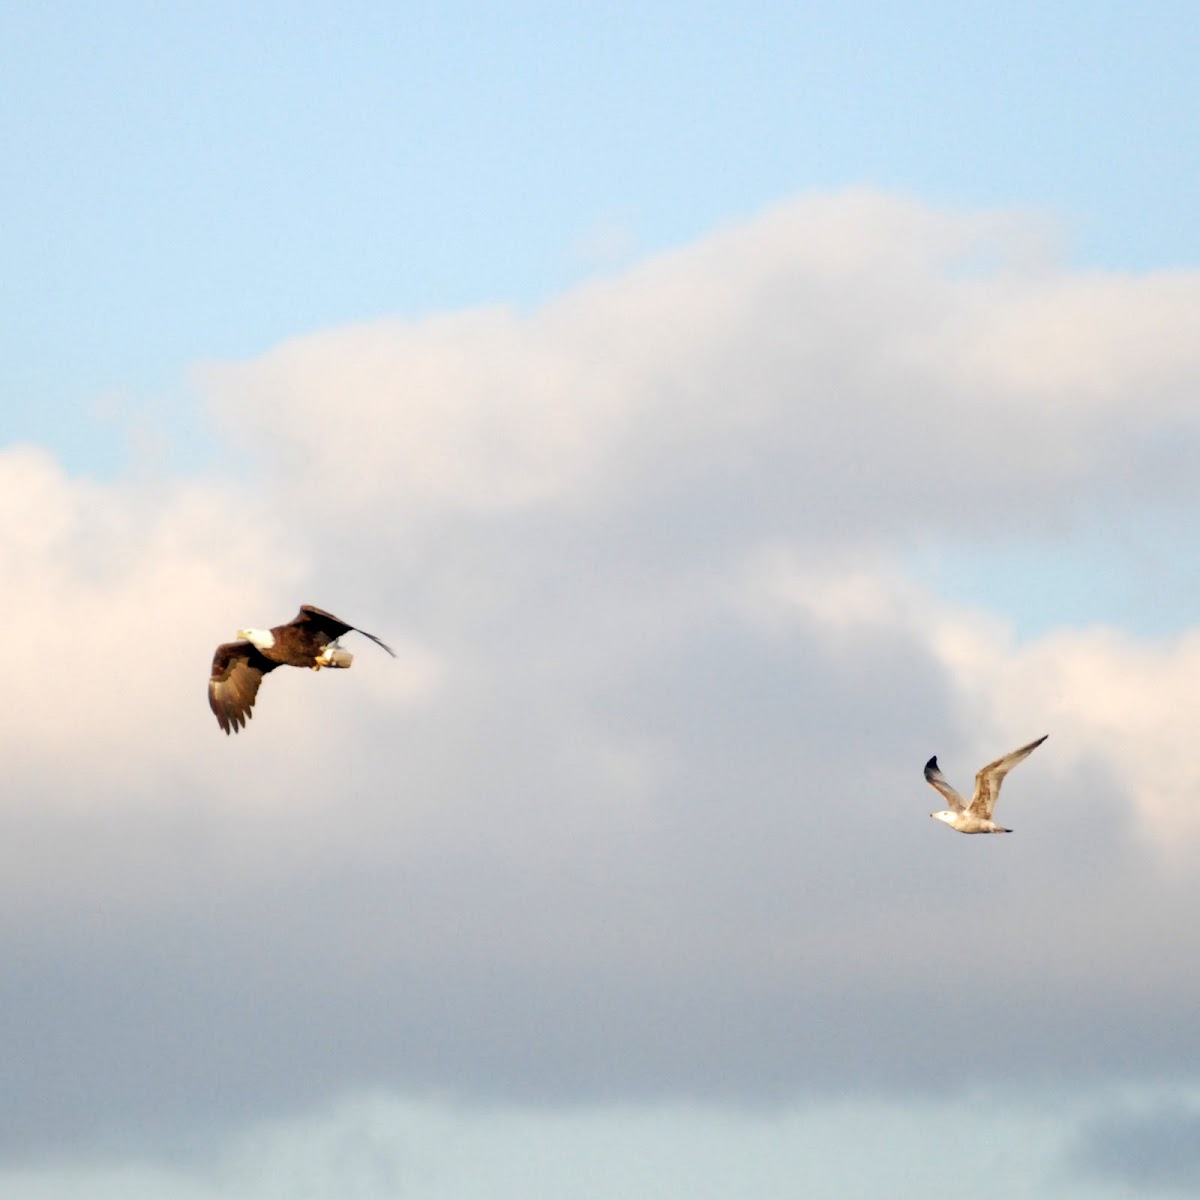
(638, 814)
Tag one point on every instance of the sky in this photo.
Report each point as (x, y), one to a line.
(719, 414)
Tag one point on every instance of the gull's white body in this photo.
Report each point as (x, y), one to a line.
(976, 817)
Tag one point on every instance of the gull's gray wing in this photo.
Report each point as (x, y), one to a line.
(989, 779)
(935, 778)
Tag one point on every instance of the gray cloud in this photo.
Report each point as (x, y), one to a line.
(490, 905)
(1152, 1148)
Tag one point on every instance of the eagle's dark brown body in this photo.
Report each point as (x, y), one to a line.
(238, 667)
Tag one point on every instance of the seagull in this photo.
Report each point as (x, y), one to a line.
(976, 817)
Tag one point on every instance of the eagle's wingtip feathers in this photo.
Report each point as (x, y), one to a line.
(378, 641)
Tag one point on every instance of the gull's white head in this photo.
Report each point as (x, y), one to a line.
(264, 639)
(947, 815)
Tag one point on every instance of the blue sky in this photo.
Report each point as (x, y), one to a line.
(719, 413)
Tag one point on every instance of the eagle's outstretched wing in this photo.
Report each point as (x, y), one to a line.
(237, 670)
(317, 619)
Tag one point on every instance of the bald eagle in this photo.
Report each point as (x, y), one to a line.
(308, 640)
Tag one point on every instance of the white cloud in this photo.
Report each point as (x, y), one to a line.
(1122, 701)
(638, 810)
(1110, 698)
(113, 590)
(844, 357)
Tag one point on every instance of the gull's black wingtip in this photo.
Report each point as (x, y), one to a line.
(931, 765)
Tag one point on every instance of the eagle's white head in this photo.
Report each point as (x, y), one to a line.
(264, 639)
